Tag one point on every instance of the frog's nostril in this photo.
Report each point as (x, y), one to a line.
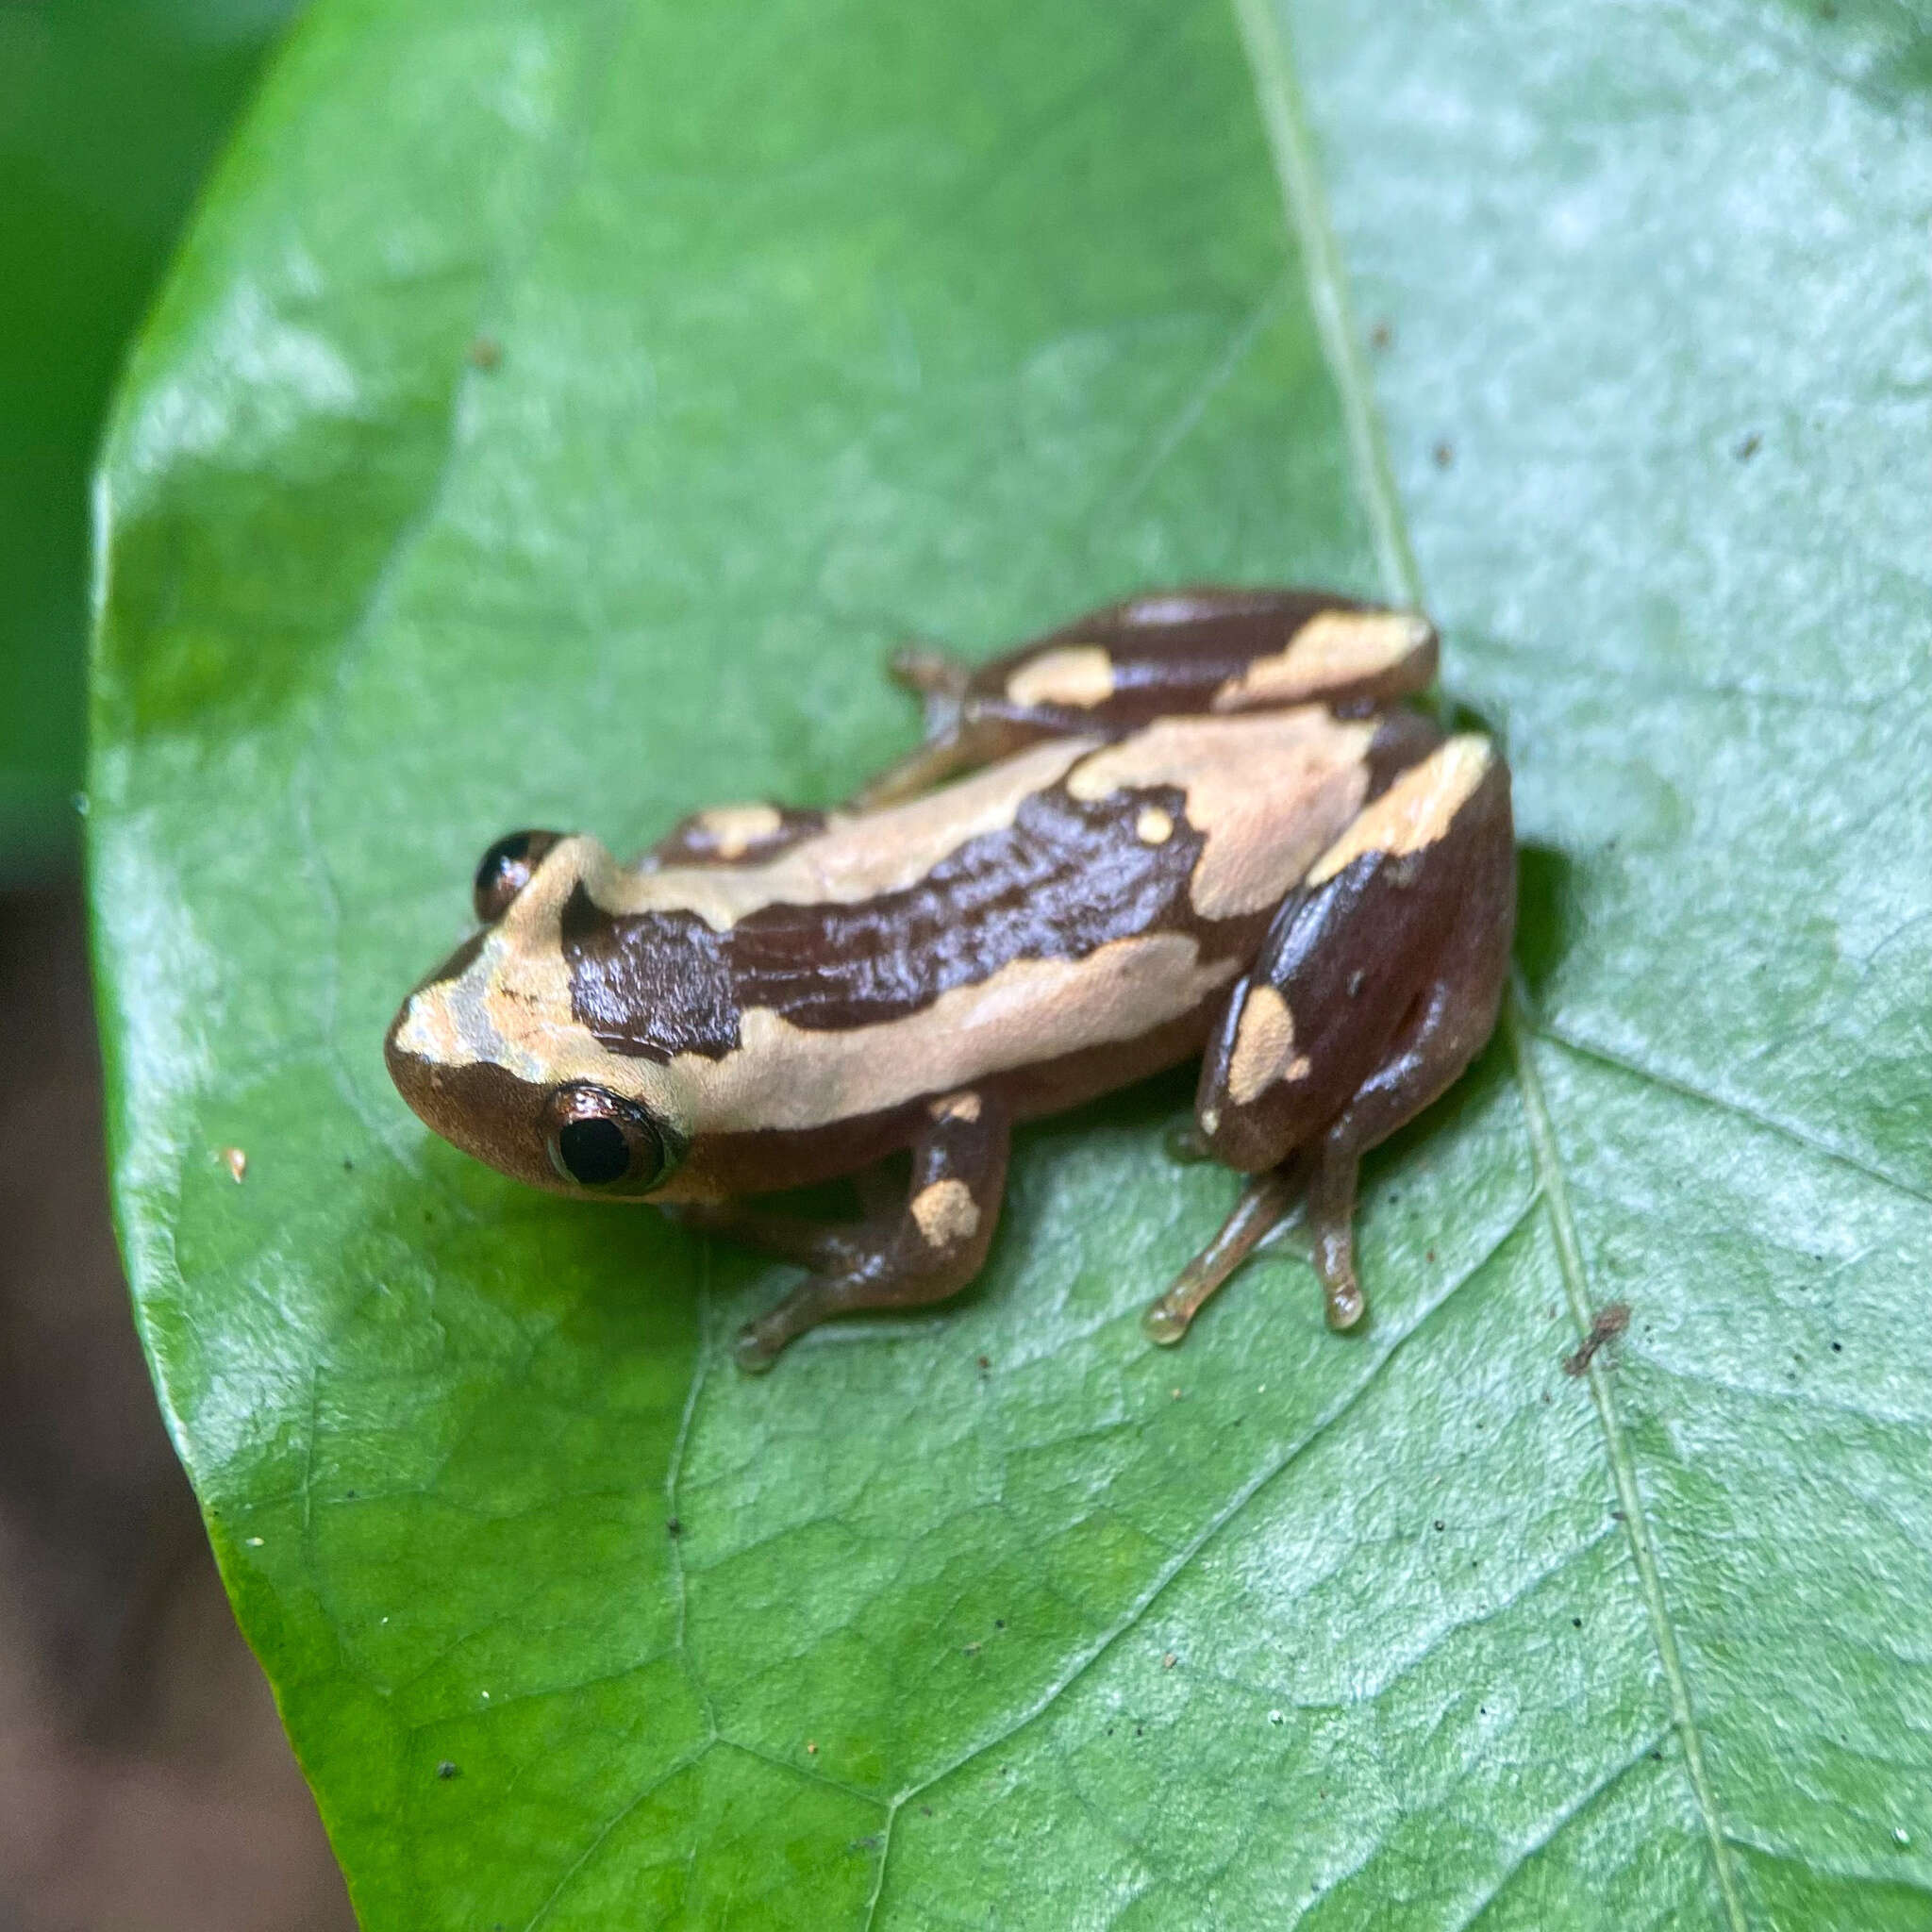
(506, 869)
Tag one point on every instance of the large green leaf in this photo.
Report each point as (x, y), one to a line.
(810, 325)
(108, 112)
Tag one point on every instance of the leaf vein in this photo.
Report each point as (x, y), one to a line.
(1770, 1123)
(1290, 137)
(1136, 1612)
(1555, 1191)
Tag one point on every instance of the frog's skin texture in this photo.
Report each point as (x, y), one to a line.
(1200, 823)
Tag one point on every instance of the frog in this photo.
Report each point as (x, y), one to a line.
(1211, 822)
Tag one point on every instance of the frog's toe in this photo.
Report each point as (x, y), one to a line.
(921, 666)
(1266, 1201)
(751, 1352)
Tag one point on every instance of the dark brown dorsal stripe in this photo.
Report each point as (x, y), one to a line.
(650, 984)
(1065, 878)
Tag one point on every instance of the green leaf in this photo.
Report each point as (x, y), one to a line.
(807, 327)
(108, 112)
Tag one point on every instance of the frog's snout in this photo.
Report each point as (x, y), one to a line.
(475, 1104)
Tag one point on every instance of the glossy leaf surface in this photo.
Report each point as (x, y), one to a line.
(109, 113)
(558, 413)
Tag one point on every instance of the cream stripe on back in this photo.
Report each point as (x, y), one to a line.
(787, 1077)
(1416, 811)
(1331, 649)
(1268, 792)
(857, 857)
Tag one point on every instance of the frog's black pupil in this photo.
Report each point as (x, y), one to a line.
(594, 1151)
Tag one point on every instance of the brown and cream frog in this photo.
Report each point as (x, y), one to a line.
(1200, 823)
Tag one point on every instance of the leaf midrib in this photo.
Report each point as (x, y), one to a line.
(1291, 145)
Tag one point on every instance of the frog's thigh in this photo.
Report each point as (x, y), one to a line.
(1442, 1033)
(1417, 890)
(930, 1249)
(1378, 985)
(1207, 648)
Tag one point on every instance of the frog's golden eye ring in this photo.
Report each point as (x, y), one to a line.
(598, 1139)
(505, 870)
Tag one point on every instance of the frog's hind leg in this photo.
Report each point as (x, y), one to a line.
(927, 1247)
(1376, 985)
(1440, 1036)
(1266, 1201)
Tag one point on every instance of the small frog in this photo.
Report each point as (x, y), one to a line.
(1197, 822)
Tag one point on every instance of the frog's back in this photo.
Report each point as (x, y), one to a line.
(1131, 876)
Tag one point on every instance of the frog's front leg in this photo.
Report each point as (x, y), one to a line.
(1377, 984)
(928, 1247)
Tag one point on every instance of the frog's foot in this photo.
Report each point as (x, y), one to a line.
(926, 1246)
(1266, 1201)
(1331, 1217)
(881, 1276)
(930, 671)
(942, 680)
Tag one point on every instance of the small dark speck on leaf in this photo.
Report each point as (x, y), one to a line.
(1838, 1348)
(1576, 1623)
(1445, 454)
(1431, 1256)
(1546, 1394)
(1657, 1756)
(925, 1810)
(999, 1623)
(1439, 1522)
(1139, 1730)
(446, 1770)
(674, 1527)
(1617, 1515)
(486, 351)
(348, 1165)
(984, 1363)
(1381, 336)
(1611, 1320)
(1748, 447)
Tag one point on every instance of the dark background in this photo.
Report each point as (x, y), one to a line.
(144, 1781)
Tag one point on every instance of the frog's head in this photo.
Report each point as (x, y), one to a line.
(490, 1051)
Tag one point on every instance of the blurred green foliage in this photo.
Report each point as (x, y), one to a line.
(110, 112)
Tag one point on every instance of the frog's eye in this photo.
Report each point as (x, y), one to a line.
(597, 1140)
(506, 870)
